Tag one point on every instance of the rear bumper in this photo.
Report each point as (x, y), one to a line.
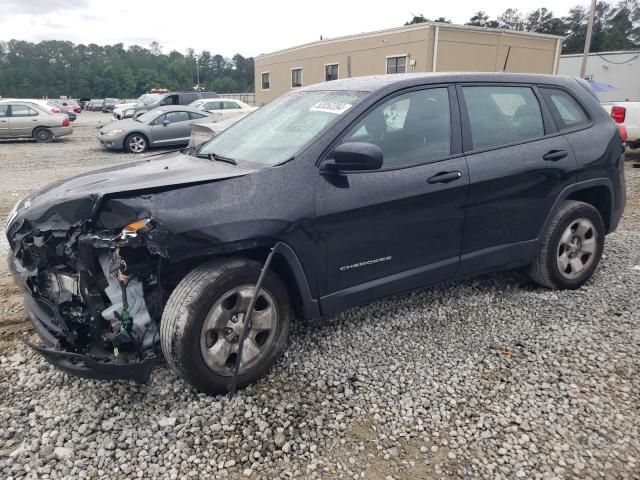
(78, 364)
(61, 131)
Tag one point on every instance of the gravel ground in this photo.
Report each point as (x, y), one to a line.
(491, 377)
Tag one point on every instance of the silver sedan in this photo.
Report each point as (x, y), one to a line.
(169, 125)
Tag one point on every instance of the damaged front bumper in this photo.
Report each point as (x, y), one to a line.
(94, 301)
(80, 365)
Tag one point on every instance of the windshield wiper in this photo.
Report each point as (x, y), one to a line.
(219, 158)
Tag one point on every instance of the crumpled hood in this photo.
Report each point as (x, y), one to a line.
(73, 200)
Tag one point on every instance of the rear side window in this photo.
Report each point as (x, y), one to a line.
(195, 116)
(4, 110)
(22, 111)
(502, 115)
(565, 109)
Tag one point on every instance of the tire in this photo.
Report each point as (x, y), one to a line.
(136, 143)
(204, 355)
(42, 135)
(571, 247)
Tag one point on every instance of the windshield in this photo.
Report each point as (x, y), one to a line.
(275, 132)
(148, 98)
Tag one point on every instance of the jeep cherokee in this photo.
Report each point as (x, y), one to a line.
(366, 187)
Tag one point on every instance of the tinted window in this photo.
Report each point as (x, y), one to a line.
(411, 128)
(170, 100)
(175, 117)
(296, 77)
(187, 98)
(396, 65)
(22, 111)
(502, 115)
(4, 110)
(566, 111)
(331, 72)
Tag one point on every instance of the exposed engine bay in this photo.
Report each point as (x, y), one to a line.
(97, 294)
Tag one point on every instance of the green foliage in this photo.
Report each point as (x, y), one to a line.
(615, 27)
(53, 68)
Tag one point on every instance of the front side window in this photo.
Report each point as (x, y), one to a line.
(175, 117)
(412, 128)
(265, 81)
(296, 78)
(22, 111)
(276, 132)
(212, 106)
(331, 72)
(502, 115)
(4, 110)
(566, 111)
(397, 64)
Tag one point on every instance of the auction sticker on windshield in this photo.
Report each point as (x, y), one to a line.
(327, 106)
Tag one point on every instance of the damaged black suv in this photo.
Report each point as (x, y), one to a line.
(330, 196)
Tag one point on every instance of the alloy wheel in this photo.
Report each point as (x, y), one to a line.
(137, 144)
(221, 330)
(577, 248)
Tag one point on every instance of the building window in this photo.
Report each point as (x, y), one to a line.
(331, 72)
(265, 81)
(397, 64)
(296, 77)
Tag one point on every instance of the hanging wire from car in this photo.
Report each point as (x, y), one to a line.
(247, 317)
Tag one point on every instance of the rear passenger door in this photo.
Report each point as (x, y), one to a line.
(518, 164)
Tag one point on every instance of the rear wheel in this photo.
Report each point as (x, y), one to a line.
(205, 316)
(42, 135)
(571, 248)
(136, 143)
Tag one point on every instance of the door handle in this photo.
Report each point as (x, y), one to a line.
(555, 155)
(444, 177)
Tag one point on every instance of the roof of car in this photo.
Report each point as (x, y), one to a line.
(375, 82)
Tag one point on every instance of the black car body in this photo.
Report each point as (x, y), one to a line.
(352, 227)
(173, 98)
(109, 104)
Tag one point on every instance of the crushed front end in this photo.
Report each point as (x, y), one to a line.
(94, 295)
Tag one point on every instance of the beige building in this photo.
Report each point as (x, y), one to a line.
(423, 47)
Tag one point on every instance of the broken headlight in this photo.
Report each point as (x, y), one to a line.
(139, 226)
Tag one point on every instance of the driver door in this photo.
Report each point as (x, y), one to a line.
(400, 227)
(172, 127)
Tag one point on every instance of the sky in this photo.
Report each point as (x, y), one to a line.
(229, 27)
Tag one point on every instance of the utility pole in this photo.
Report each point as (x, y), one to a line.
(587, 40)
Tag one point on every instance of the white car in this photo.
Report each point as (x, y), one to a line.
(125, 110)
(223, 108)
(627, 115)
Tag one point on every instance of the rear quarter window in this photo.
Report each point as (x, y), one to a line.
(566, 110)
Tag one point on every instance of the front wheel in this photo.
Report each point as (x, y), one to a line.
(571, 248)
(205, 316)
(136, 143)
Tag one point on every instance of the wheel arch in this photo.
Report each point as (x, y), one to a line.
(597, 192)
(285, 263)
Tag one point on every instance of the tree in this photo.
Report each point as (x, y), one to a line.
(543, 21)
(481, 19)
(511, 19)
(417, 19)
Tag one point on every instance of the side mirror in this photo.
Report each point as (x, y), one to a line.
(165, 122)
(358, 156)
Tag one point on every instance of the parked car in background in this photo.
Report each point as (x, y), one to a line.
(158, 127)
(32, 119)
(627, 116)
(173, 98)
(64, 107)
(126, 110)
(109, 104)
(95, 105)
(83, 102)
(75, 105)
(223, 108)
(203, 132)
